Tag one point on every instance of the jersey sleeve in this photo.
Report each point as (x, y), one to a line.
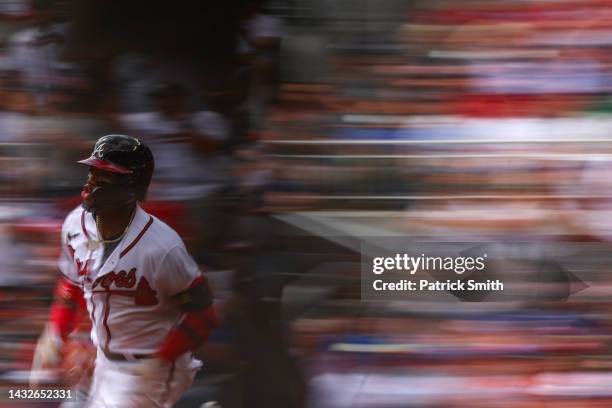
(65, 262)
(176, 271)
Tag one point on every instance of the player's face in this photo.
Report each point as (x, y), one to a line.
(95, 180)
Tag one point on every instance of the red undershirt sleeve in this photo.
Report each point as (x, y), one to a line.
(198, 319)
(68, 301)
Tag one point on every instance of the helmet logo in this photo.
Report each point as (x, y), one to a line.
(98, 150)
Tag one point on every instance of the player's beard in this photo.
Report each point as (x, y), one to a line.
(98, 197)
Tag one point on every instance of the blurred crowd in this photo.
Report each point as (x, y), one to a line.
(331, 122)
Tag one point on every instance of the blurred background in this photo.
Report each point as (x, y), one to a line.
(288, 132)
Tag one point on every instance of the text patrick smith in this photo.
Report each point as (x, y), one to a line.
(448, 285)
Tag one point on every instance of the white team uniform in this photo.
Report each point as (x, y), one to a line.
(129, 302)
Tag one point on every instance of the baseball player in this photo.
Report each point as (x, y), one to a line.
(148, 302)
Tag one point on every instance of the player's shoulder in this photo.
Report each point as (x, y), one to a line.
(162, 234)
(73, 219)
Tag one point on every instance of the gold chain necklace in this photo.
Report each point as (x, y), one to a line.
(94, 244)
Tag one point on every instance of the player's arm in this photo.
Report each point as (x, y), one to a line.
(198, 319)
(68, 298)
(62, 321)
(67, 302)
(195, 324)
(178, 277)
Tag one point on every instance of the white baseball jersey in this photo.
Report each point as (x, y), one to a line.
(129, 294)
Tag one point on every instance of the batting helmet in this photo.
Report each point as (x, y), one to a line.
(127, 156)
